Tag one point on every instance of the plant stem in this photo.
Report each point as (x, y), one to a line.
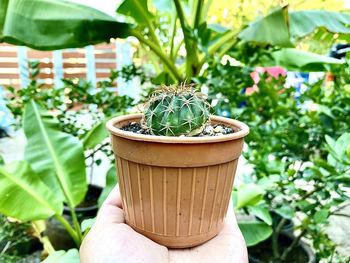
(172, 56)
(276, 233)
(216, 46)
(167, 62)
(96, 150)
(340, 214)
(198, 13)
(76, 223)
(294, 243)
(191, 50)
(69, 229)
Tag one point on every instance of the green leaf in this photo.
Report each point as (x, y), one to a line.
(269, 181)
(321, 216)
(137, 9)
(24, 196)
(34, 23)
(111, 182)
(254, 232)
(294, 59)
(70, 256)
(272, 29)
(87, 223)
(95, 136)
(303, 23)
(57, 157)
(286, 211)
(248, 195)
(261, 212)
(338, 149)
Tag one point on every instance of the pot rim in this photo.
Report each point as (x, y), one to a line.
(242, 132)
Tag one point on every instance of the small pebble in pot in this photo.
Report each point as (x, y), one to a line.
(218, 129)
(209, 130)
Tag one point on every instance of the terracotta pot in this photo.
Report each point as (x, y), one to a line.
(176, 190)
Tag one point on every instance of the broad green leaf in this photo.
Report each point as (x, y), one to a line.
(24, 196)
(348, 151)
(56, 24)
(111, 182)
(137, 9)
(286, 211)
(248, 195)
(70, 256)
(304, 22)
(57, 157)
(95, 136)
(254, 232)
(294, 59)
(321, 216)
(261, 212)
(272, 29)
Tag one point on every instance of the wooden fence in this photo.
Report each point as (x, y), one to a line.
(92, 62)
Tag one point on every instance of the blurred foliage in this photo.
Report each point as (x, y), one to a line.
(243, 11)
(76, 98)
(304, 176)
(15, 240)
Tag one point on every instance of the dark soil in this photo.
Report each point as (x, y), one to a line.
(209, 130)
(262, 253)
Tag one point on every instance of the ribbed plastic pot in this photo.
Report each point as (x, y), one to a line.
(176, 190)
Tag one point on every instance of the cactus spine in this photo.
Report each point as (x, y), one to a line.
(175, 111)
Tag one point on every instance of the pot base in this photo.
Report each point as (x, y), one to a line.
(179, 241)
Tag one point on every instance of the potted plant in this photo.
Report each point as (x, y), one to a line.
(176, 165)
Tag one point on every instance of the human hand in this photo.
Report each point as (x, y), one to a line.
(110, 240)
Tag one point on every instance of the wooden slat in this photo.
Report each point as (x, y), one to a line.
(46, 65)
(42, 75)
(74, 75)
(73, 55)
(103, 74)
(8, 65)
(34, 54)
(106, 65)
(8, 54)
(74, 65)
(106, 55)
(9, 75)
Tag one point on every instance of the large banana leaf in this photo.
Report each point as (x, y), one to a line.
(283, 28)
(57, 157)
(293, 59)
(56, 24)
(305, 22)
(271, 29)
(24, 196)
(137, 9)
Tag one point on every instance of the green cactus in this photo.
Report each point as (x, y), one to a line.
(175, 111)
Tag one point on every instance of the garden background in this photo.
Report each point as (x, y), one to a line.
(279, 66)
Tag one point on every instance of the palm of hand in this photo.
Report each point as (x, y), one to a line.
(111, 240)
